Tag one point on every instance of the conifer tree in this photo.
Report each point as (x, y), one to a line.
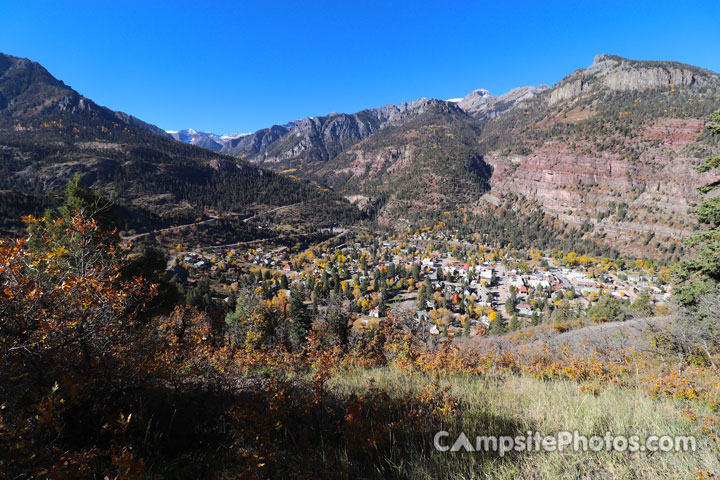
(700, 275)
(497, 324)
(300, 321)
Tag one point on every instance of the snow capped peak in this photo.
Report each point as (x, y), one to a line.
(207, 140)
(233, 136)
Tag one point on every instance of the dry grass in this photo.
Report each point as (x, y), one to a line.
(509, 404)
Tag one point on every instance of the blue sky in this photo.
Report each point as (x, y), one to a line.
(240, 66)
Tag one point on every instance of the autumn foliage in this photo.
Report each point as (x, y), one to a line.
(97, 382)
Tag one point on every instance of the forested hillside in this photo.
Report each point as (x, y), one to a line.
(49, 133)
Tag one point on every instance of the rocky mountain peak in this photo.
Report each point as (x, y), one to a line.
(482, 105)
(620, 74)
(600, 57)
(30, 95)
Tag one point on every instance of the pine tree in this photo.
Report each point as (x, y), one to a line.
(497, 324)
(422, 297)
(382, 306)
(416, 271)
(299, 318)
(88, 204)
(700, 276)
(336, 282)
(466, 328)
(510, 304)
(325, 280)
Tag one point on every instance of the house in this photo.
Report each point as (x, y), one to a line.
(539, 283)
(515, 281)
(525, 309)
(375, 313)
(586, 284)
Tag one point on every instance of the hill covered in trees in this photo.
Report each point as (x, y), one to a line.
(49, 134)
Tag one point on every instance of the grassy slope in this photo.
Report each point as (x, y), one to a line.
(513, 404)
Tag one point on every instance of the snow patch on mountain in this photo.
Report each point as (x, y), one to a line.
(209, 140)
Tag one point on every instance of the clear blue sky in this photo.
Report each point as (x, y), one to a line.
(235, 66)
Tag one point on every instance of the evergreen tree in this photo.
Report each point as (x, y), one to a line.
(643, 304)
(315, 308)
(300, 321)
(337, 319)
(336, 282)
(700, 276)
(200, 295)
(606, 309)
(497, 325)
(422, 297)
(382, 306)
(510, 304)
(325, 284)
(87, 204)
(514, 323)
(82, 248)
(416, 271)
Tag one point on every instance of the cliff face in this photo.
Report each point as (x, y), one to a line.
(619, 74)
(255, 142)
(661, 186)
(613, 148)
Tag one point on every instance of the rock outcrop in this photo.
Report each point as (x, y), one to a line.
(480, 104)
(620, 74)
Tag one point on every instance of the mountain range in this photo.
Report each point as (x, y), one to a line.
(50, 133)
(607, 153)
(609, 149)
